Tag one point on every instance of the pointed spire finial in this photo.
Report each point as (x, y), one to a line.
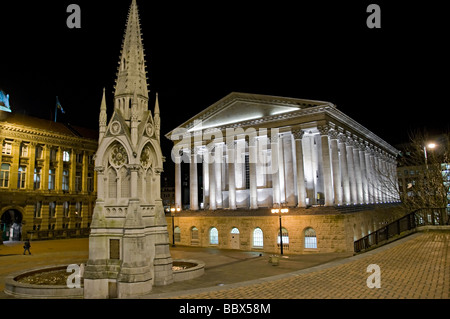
(157, 104)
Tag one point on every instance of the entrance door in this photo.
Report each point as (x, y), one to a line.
(234, 239)
(11, 225)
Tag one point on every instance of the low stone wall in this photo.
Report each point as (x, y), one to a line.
(189, 273)
(335, 230)
(30, 291)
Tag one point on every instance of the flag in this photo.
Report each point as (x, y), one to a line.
(58, 106)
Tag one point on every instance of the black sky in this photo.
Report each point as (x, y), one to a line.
(391, 80)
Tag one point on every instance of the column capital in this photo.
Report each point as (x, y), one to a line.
(323, 129)
(334, 135)
(298, 134)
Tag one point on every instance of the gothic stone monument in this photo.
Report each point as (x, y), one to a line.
(129, 242)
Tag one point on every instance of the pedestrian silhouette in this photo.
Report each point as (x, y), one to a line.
(26, 246)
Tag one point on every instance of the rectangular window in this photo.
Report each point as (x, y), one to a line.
(53, 153)
(37, 210)
(247, 172)
(21, 180)
(66, 156)
(114, 249)
(52, 209)
(78, 181)
(24, 150)
(4, 175)
(80, 158)
(37, 178)
(7, 148)
(39, 152)
(90, 183)
(65, 180)
(51, 179)
(66, 209)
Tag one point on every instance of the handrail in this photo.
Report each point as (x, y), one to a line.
(419, 217)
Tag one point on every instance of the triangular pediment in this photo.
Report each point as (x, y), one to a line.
(117, 126)
(238, 108)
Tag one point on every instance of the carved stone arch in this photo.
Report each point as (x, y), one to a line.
(106, 147)
(154, 149)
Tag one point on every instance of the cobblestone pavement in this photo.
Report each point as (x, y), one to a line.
(414, 267)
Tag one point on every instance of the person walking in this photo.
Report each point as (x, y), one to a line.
(26, 246)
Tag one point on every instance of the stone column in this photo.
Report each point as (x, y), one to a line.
(362, 158)
(212, 181)
(289, 171)
(133, 181)
(84, 172)
(281, 177)
(351, 171)
(205, 179)
(193, 180)
(344, 170)
(301, 189)
(371, 175)
(358, 177)
(31, 165)
(336, 167)
(13, 173)
(326, 165)
(218, 159)
(252, 158)
(178, 182)
(46, 167)
(276, 199)
(231, 174)
(101, 194)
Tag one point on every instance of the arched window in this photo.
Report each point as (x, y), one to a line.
(235, 231)
(285, 238)
(258, 241)
(310, 238)
(213, 236)
(112, 183)
(177, 232)
(194, 236)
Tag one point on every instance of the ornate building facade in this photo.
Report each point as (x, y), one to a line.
(47, 178)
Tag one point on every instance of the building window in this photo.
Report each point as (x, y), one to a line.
(51, 179)
(24, 150)
(80, 158)
(37, 178)
(7, 148)
(78, 208)
(247, 172)
(37, 209)
(78, 181)
(194, 236)
(177, 233)
(258, 239)
(52, 209)
(310, 238)
(53, 153)
(285, 238)
(39, 152)
(4, 175)
(21, 180)
(213, 236)
(66, 156)
(65, 180)
(235, 231)
(66, 209)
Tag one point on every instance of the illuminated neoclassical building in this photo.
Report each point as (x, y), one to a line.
(263, 151)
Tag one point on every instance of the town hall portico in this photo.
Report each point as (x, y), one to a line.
(261, 151)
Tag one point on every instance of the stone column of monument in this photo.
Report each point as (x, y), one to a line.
(351, 170)
(358, 177)
(205, 177)
(276, 197)
(212, 180)
(290, 171)
(362, 159)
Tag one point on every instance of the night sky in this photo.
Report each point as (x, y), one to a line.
(392, 80)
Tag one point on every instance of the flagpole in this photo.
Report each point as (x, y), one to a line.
(56, 108)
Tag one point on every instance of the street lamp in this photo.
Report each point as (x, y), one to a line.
(280, 211)
(430, 146)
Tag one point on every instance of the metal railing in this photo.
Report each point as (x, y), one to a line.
(419, 217)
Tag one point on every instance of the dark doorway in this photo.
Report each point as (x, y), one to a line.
(11, 225)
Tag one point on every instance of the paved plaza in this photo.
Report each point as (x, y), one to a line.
(417, 266)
